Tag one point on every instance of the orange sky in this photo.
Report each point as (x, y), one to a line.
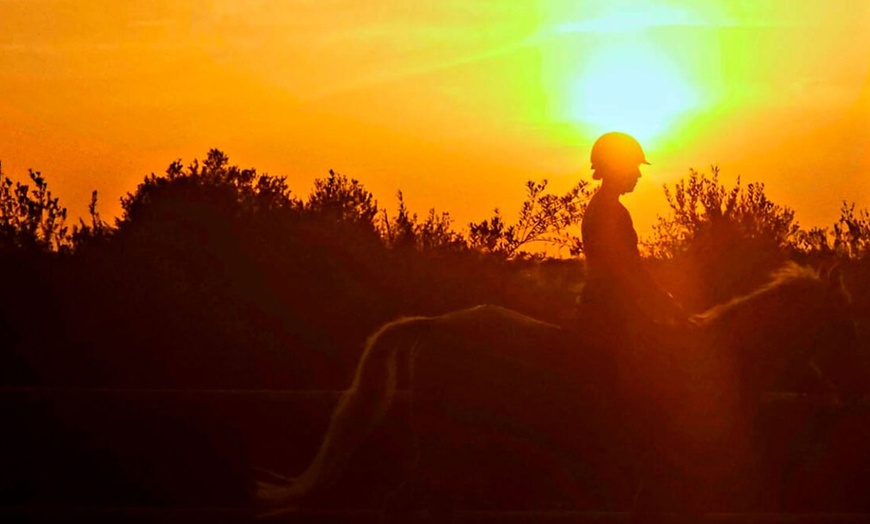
(457, 103)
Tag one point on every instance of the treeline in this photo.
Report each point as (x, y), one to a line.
(218, 276)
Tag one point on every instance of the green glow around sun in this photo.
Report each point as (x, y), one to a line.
(632, 87)
(637, 66)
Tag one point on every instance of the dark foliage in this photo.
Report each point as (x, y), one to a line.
(702, 209)
(544, 218)
(847, 239)
(720, 242)
(216, 276)
(434, 234)
(30, 218)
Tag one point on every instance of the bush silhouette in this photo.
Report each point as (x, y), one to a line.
(434, 234)
(721, 242)
(216, 275)
(30, 218)
(544, 218)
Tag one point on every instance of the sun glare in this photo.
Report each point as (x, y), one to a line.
(632, 88)
(618, 65)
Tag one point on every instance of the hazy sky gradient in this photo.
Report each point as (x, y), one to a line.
(456, 103)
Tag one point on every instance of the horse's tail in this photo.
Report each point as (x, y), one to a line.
(359, 410)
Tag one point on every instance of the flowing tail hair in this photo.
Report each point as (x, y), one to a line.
(359, 410)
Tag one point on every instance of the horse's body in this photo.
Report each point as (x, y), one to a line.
(675, 413)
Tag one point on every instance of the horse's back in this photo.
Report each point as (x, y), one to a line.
(496, 338)
(494, 386)
(491, 319)
(494, 362)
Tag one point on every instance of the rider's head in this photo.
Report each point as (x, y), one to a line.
(616, 158)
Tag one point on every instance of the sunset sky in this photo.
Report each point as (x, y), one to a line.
(455, 102)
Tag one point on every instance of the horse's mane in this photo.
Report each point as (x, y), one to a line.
(785, 278)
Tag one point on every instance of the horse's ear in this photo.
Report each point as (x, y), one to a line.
(834, 277)
(828, 270)
(825, 268)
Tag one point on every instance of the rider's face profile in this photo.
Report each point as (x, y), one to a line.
(623, 178)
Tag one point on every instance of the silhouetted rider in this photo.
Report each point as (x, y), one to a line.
(617, 284)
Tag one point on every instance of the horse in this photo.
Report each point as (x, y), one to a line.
(671, 407)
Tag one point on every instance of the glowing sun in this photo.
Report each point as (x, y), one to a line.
(632, 88)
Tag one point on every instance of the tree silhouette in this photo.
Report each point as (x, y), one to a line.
(852, 232)
(219, 275)
(724, 241)
(87, 235)
(435, 233)
(544, 218)
(342, 199)
(30, 217)
(703, 210)
(230, 188)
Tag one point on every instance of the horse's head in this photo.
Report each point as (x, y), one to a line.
(833, 349)
(802, 319)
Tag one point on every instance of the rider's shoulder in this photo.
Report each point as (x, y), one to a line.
(606, 208)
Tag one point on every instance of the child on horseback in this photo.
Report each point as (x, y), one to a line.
(617, 283)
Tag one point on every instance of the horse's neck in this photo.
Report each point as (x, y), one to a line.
(759, 333)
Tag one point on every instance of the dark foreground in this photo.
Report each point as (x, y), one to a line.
(114, 455)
